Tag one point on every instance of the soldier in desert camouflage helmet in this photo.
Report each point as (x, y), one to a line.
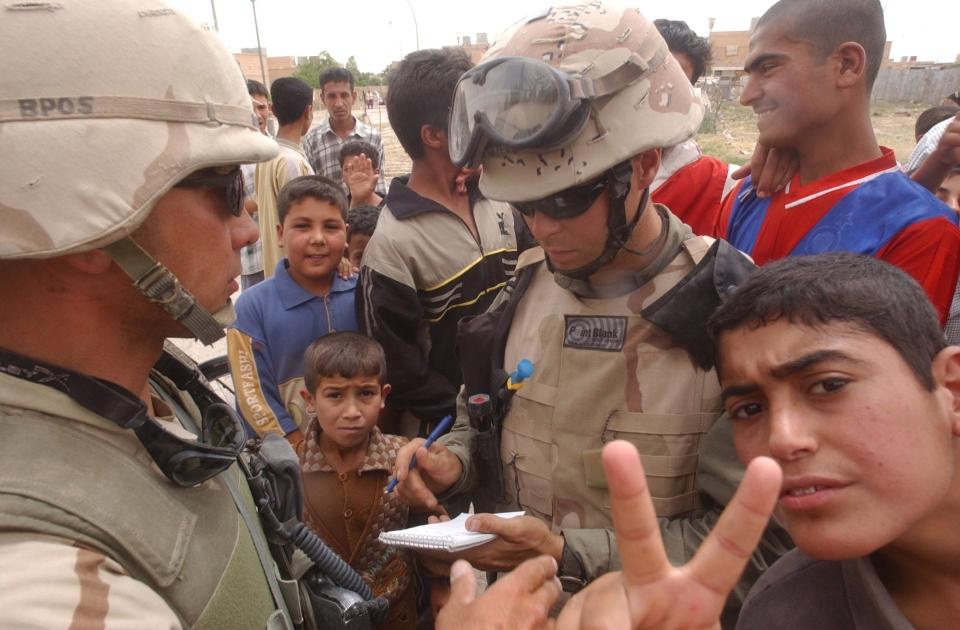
(567, 114)
(124, 125)
(121, 201)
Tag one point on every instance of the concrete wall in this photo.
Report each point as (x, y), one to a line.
(926, 85)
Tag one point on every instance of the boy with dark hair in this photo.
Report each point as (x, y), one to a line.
(304, 299)
(360, 164)
(848, 193)
(437, 255)
(933, 116)
(835, 366)
(323, 144)
(690, 183)
(293, 107)
(691, 51)
(361, 222)
(346, 462)
(261, 102)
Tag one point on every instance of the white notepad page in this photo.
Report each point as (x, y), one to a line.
(449, 535)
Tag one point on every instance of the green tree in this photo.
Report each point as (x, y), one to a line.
(310, 69)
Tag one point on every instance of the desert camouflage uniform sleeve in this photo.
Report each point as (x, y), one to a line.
(718, 475)
(47, 582)
(460, 442)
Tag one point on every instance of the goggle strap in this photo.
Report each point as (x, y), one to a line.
(160, 286)
(617, 79)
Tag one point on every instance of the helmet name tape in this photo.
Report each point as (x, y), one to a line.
(79, 107)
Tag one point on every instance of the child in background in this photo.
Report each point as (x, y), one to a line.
(346, 462)
(305, 298)
(360, 165)
(361, 222)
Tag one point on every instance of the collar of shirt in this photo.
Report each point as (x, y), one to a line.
(841, 179)
(380, 455)
(405, 203)
(360, 130)
(293, 295)
(296, 146)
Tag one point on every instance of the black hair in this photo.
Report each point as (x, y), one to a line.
(955, 97)
(291, 96)
(254, 87)
(680, 38)
(314, 187)
(933, 116)
(861, 291)
(335, 75)
(360, 147)
(346, 354)
(420, 92)
(362, 220)
(826, 24)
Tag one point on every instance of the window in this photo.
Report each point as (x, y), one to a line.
(732, 51)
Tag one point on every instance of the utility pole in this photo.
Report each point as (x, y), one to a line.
(256, 28)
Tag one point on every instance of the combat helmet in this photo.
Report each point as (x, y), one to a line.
(100, 116)
(565, 97)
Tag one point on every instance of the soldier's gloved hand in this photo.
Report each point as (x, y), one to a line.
(649, 592)
(436, 471)
(516, 601)
(770, 170)
(519, 539)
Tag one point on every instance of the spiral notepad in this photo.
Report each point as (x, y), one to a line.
(449, 535)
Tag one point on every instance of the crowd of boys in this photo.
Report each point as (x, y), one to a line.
(679, 397)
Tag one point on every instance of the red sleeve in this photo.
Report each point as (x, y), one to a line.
(930, 252)
(695, 193)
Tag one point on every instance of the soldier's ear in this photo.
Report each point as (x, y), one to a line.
(645, 167)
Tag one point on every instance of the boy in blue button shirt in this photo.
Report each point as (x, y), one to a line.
(305, 299)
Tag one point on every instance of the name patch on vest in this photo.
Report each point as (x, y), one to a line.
(595, 333)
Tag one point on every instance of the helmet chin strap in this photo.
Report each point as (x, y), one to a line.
(618, 230)
(161, 287)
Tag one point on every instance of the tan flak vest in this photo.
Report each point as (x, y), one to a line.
(73, 480)
(602, 372)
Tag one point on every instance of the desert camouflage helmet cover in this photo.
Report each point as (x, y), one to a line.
(660, 109)
(103, 107)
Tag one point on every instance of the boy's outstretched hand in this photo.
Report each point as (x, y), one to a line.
(649, 592)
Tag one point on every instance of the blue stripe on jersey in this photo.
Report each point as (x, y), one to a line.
(870, 216)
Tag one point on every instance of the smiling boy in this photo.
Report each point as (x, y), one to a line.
(836, 368)
(811, 67)
(304, 299)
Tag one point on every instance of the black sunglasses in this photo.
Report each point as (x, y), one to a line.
(566, 204)
(186, 463)
(228, 183)
(574, 201)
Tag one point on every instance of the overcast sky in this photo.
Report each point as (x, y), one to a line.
(377, 32)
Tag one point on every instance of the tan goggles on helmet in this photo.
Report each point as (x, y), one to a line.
(522, 103)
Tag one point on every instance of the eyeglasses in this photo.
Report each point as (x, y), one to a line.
(566, 204)
(574, 201)
(227, 181)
